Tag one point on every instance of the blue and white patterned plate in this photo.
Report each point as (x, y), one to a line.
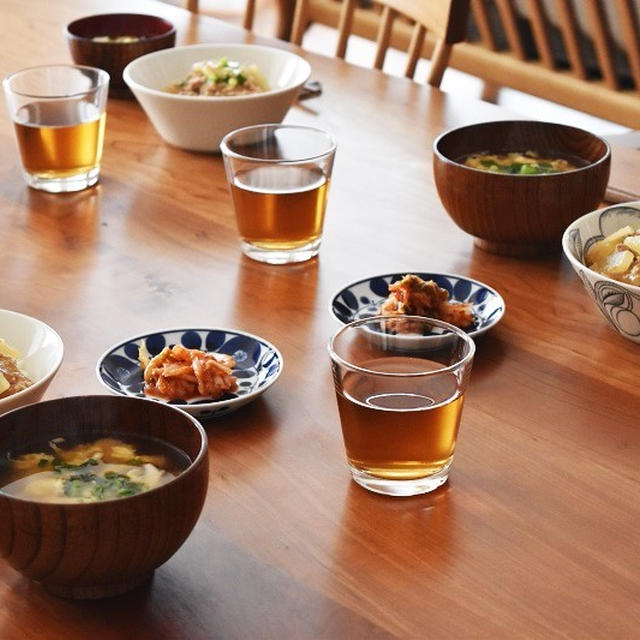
(362, 299)
(258, 365)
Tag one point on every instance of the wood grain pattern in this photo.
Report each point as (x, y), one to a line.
(535, 535)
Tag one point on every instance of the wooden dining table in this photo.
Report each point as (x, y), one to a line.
(536, 533)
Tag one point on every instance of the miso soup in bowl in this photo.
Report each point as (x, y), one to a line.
(115, 486)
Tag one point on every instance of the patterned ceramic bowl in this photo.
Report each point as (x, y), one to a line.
(258, 366)
(618, 302)
(362, 299)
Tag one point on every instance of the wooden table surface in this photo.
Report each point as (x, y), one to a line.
(535, 535)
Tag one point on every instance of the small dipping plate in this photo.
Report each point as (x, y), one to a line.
(258, 366)
(362, 299)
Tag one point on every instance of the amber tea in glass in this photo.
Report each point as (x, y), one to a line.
(400, 398)
(59, 117)
(279, 181)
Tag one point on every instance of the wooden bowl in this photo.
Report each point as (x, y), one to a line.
(100, 549)
(154, 33)
(519, 215)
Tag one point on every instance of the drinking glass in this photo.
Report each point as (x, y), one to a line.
(58, 112)
(400, 387)
(279, 176)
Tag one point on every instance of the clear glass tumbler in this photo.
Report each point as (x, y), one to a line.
(58, 112)
(279, 177)
(400, 387)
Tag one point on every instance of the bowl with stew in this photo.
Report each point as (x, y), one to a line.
(515, 185)
(603, 247)
(110, 41)
(31, 353)
(96, 492)
(194, 95)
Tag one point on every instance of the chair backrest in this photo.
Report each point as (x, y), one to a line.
(581, 53)
(445, 20)
(194, 7)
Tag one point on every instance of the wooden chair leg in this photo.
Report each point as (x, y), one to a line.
(192, 5)
(344, 26)
(286, 9)
(249, 13)
(415, 49)
(384, 36)
(439, 62)
(300, 21)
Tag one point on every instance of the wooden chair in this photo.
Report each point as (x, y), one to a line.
(584, 54)
(247, 20)
(445, 20)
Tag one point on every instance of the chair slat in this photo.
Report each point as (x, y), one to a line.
(445, 20)
(602, 43)
(344, 26)
(439, 62)
(384, 36)
(628, 20)
(415, 49)
(510, 26)
(569, 28)
(249, 14)
(300, 21)
(481, 18)
(540, 26)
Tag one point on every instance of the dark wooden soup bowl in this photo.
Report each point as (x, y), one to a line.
(100, 549)
(519, 215)
(154, 32)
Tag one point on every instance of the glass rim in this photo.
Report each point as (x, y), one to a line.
(468, 340)
(226, 151)
(102, 76)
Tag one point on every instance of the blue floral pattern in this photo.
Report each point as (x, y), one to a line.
(258, 365)
(362, 298)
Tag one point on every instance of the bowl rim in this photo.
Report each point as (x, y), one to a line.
(73, 36)
(137, 86)
(606, 156)
(213, 403)
(578, 264)
(202, 452)
(52, 372)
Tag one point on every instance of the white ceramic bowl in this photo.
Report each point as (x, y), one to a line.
(41, 355)
(199, 123)
(618, 302)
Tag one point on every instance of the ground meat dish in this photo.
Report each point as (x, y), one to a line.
(178, 373)
(12, 374)
(414, 296)
(222, 77)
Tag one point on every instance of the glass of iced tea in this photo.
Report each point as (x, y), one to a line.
(400, 386)
(279, 176)
(58, 112)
